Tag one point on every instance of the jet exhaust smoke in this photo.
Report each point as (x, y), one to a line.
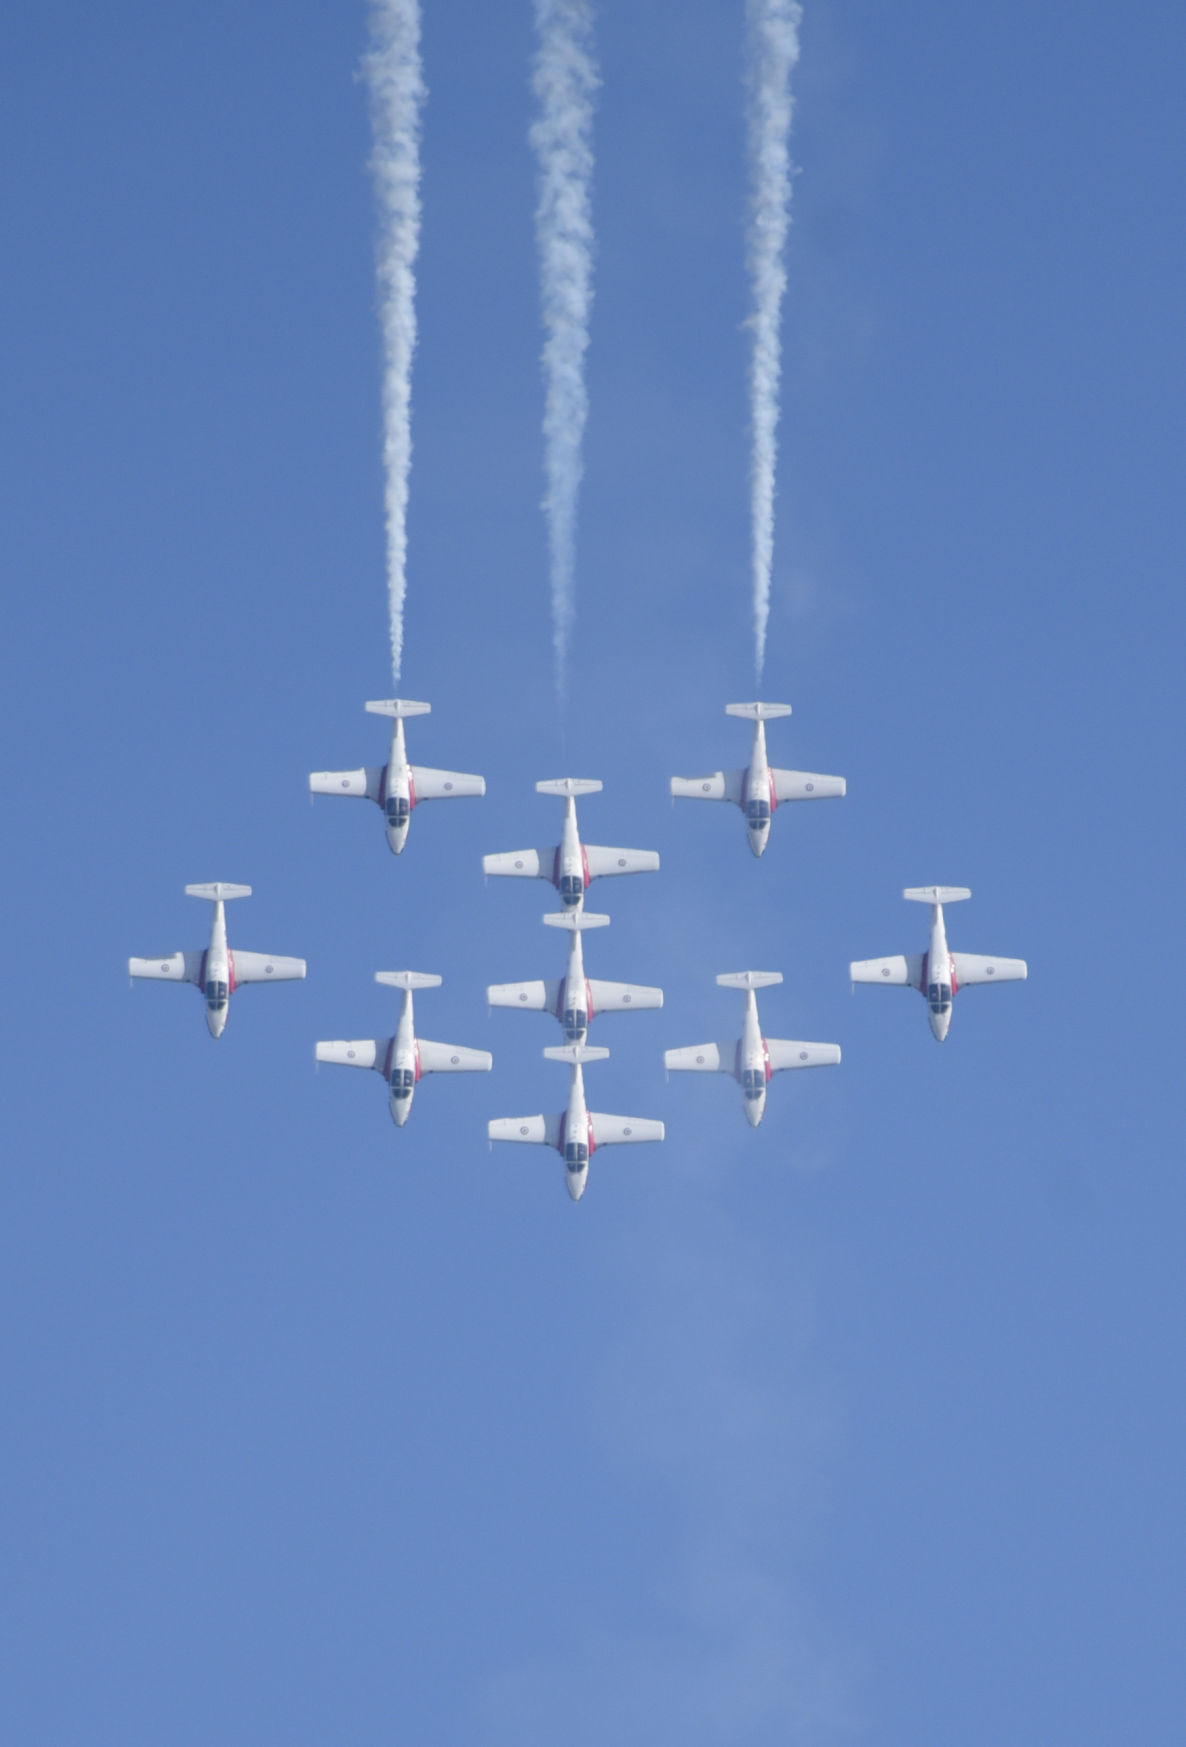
(391, 68)
(565, 79)
(773, 49)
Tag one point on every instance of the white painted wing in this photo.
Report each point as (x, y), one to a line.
(177, 967)
(602, 862)
(805, 785)
(527, 864)
(530, 1130)
(361, 1052)
(722, 785)
(702, 1058)
(900, 972)
(971, 968)
(623, 997)
(623, 1130)
(450, 1058)
(531, 997)
(784, 1054)
(365, 784)
(262, 967)
(444, 785)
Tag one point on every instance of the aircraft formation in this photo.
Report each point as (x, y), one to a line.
(575, 999)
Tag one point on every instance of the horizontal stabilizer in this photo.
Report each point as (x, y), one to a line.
(397, 707)
(576, 1053)
(936, 894)
(569, 785)
(749, 979)
(408, 979)
(578, 919)
(622, 997)
(758, 712)
(218, 890)
(360, 1052)
(364, 783)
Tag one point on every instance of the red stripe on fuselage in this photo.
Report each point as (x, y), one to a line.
(766, 1058)
(230, 970)
(416, 1051)
(773, 796)
(584, 864)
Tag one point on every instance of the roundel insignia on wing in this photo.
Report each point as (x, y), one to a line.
(523, 1130)
(626, 1000)
(350, 1055)
(810, 788)
(885, 970)
(346, 782)
(518, 864)
(802, 1055)
(448, 787)
(706, 787)
(621, 861)
(453, 1060)
(268, 969)
(991, 970)
(522, 997)
(627, 1131)
(699, 1061)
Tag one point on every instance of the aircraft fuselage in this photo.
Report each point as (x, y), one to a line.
(402, 1068)
(397, 795)
(571, 872)
(218, 974)
(576, 1137)
(938, 977)
(760, 799)
(753, 1062)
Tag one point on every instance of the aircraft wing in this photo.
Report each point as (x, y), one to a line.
(527, 864)
(530, 1130)
(177, 967)
(621, 997)
(261, 967)
(363, 1052)
(722, 785)
(702, 1058)
(971, 968)
(445, 785)
(531, 997)
(804, 785)
(623, 1130)
(784, 1054)
(601, 862)
(899, 972)
(365, 783)
(450, 1058)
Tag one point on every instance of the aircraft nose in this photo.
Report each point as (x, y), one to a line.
(940, 1025)
(400, 1111)
(758, 841)
(216, 1021)
(397, 839)
(753, 1110)
(575, 1181)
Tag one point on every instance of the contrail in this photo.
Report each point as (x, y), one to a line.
(565, 79)
(392, 71)
(773, 28)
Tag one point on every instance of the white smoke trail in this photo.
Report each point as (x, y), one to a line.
(773, 51)
(565, 79)
(392, 72)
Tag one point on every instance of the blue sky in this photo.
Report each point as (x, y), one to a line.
(866, 1427)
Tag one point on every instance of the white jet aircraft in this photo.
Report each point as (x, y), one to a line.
(397, 786)
(752, 1058)
(577, 1132)
(218, 971)
(576, 998)
(759, 789)
(938, 973)
(570, 864)
(405, 1058)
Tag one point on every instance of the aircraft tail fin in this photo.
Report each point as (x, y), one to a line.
(758, 712)
(936, 894)
(576, 1053)
(408, 979)
(569, 785)
(216, 890)
(397, 707)
(749, 979)
(575, 919)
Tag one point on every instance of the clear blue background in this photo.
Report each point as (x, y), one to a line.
(865, 1427)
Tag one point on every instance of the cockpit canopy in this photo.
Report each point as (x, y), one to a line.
(939, 997)
(575, 1023)
(216, 996)
(757, 815)
(402, 1081)
(576, 1156)
(753, 1082)
(399, 810)
(571, 887)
